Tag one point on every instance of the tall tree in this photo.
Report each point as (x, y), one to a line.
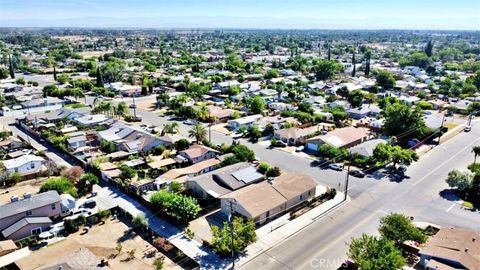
(99, 78)
(54, 73)
(368, 55)
(354, 66)
(329, 56)
(476, 152)
(122, 109)
(198, 132)
(429, 48)
(10, 67)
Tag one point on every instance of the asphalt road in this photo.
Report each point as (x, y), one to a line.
(323, 245)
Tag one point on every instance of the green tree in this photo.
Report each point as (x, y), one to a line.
(372, 253)
(159, 263)
(107, 146)
(86, 182)
(399, 228)
(3, 73)
(182, 144)
(326, 69)
(459, 179)
(429, 48)
(385, 79)
(243, 235)
(182, 208)
(61, 185)
(139, 221)
(401, 119)
(198, 132)
(355, 98)
(127, 172)
(273, 172)
(170, 128)
(254, 133)
(242, 153)
(256, 105)
(476, 152)
(10, 67)
(122, 109)
(403, 156)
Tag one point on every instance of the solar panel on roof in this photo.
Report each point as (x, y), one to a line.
(247, 175)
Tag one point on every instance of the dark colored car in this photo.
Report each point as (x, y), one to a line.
(357, 173)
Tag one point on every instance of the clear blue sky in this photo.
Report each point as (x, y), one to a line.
(441, 14)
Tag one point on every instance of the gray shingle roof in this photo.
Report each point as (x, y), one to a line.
(24, 222)
(36, 201)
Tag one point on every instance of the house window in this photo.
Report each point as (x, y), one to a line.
(16, 169)
(32, 165)
(53, 206)
(301, 196)
(28, 213)
(37, 231)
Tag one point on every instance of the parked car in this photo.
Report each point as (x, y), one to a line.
(190, 122)
(89, 204)
(335, 166)
(299, 149)
(357, 173)
(402, 169)
(237, 135)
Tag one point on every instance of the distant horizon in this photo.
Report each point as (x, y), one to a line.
(245, 14)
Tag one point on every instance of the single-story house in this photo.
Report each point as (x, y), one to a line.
(77, 141)
(341, 137)
(132, 139)
(363, 112)
(91, 120)
(451, 248)
(30, 215)
(11, 143)
(294, 135)
(246, 121)
(269, 199)
(224, 180)
(25, 164)
(197, 153)
(181, 174)
(365, 149)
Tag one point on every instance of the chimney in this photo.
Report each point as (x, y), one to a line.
(27, 195)
(14, 199)
(473, 239)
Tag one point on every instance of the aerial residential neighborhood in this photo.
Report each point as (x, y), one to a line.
(271, 141)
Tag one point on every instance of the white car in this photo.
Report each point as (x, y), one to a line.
(335, 166)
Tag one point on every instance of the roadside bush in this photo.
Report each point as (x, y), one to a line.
(61, 185)
(70, 226)
(273, 172)
(263, 168)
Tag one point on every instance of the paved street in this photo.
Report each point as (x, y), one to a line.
(323, 245)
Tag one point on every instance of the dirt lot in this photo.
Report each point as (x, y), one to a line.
(101, 240)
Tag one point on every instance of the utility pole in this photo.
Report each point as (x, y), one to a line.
(348, 174)
(441, 128)
(232, 210)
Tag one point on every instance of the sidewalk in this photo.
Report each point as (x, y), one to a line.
(267, 239)
(192, 248)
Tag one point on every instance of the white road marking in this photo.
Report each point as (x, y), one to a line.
(450, 208)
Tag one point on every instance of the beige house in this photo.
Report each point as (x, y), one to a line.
(269, 199)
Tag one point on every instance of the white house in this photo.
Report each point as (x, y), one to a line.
(246, 121)
(24, 165)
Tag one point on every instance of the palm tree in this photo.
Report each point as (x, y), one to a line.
(170, 128)
(198, 132)
(476, 152)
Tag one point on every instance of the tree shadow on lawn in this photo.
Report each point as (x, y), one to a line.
(127, 235)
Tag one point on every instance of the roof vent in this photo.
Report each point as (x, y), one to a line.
(27, 195)
(466, 250)
(14, 199)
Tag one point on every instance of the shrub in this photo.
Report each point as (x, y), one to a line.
(263, 168)
(73, 173)
(61, 185)
(70, 226)
(273, 172)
